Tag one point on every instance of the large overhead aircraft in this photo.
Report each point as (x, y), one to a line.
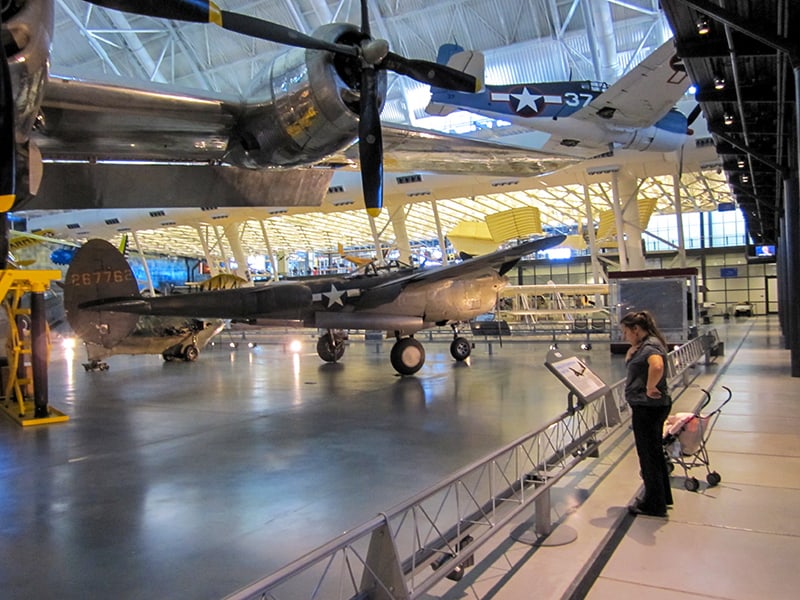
(103, 302)
(70, 143)
(581, 118)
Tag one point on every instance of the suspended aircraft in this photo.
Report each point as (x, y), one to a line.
(359, 261)
(71, 143)
(581, 118)
(103, 302)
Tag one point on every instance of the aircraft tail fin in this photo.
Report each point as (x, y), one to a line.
(466, 61)
(98, 271)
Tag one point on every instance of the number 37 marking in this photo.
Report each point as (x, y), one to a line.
(573, 99)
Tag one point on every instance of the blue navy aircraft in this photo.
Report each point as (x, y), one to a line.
(581, 118)
(103, 302)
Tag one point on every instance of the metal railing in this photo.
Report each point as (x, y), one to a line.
(404, 552)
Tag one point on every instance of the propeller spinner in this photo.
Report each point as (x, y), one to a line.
(372, 55)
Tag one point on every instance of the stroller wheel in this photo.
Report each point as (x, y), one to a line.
(691, 484)
(670, 466)
(713, 478)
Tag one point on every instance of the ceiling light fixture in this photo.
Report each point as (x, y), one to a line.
(719, 83)
(703, 26)
(728, 119)
(740, 163)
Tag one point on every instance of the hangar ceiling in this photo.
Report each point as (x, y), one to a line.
(740, 54)
(523, 41)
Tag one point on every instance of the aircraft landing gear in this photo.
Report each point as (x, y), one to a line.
(190, 353)
(460, 348)
(330, 346)
(95, 365)
(407, 355)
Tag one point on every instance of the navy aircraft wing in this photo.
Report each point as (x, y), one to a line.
(643, 95)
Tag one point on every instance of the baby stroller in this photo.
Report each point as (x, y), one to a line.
(685, 438)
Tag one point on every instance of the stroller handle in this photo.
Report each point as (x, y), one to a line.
(707, 399)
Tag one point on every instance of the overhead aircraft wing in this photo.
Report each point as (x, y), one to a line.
(89, 131)
(502, 260)
(643, 95)
(411, 149)
(107, 145)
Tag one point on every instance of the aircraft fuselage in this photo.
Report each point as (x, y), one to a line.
(550, 108)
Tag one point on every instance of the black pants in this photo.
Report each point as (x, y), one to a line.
(648, 426)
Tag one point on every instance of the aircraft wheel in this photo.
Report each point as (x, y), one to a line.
(191, 353)
(460, 348)
(407, 356)
(328, 350)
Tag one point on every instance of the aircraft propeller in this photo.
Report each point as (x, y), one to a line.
(692, 117)
(370, 56)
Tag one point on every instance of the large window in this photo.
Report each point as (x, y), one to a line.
(700, 230)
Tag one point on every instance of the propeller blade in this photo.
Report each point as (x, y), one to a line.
(431, 73)
(365, 18)
(203, 11)
(8, 146)
(195, 11)
(370, 143)
(273, 32)
(694, 114)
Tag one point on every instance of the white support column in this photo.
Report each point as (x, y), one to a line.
(597, 272)
(144, 263)
(272, 258)
(439, 234)
(398, 219)
(213, 268)
(629, 236)
(676, 184)
(231, 231)
(223, 254)
(620, 224)
(377, 240)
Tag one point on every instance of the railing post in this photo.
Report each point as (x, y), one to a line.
(539, 531)
(383, 577)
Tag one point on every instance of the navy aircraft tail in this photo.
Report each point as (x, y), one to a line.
(99, 272)
(456, 57)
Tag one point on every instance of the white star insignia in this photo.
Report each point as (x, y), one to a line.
(526, 100)
(334, 296)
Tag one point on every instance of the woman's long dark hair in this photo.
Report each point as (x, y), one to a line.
(646, 321)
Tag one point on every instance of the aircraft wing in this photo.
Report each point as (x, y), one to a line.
(502, 260)
(643, 95)
(177, 141)
(412, 149)
(108, 145)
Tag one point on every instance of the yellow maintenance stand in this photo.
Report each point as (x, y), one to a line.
(25, 390)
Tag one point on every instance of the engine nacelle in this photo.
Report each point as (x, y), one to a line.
(306, 106)
(667, 135)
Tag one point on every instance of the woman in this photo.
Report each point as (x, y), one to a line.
(647, 394)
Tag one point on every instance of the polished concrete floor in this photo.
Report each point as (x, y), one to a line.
(190, 480)
(739, 540)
